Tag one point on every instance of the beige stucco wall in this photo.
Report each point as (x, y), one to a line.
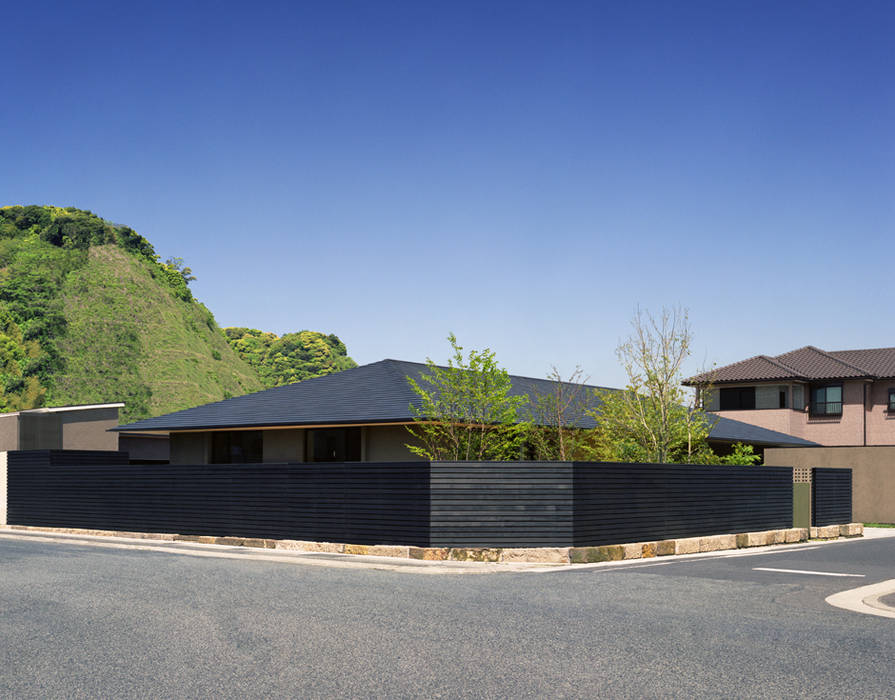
(190, 448)
(284, 445)
(9, 432)
(873, 474)
(847, 429)
(880, 423)
(89, 430)
(386, 443)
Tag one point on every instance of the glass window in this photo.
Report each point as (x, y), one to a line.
(892, 400)
(738, 399)
(826, 400)
(335, 445)
(236, 447)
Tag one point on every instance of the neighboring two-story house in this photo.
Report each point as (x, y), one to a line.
(838, 398)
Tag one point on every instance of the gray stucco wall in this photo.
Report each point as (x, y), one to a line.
(40, 431)
(89, 430)
(154, 448)
(9, 433)
(284, 445)
(386, 443)
(189, 448)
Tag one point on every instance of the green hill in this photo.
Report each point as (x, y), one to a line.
(88, 314)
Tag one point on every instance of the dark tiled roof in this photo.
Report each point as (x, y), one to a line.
(728, 430)
(377, 393)
(880, 362)
(814, 363)
(807, 364)
(760, 367)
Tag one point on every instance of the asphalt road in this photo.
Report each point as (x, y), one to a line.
(83, 621)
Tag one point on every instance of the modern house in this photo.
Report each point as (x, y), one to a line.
(833, 398)
(359, 414)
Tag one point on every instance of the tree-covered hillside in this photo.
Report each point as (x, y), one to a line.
(291, 357)
(89, 314)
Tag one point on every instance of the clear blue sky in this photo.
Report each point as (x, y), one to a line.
(523, 174)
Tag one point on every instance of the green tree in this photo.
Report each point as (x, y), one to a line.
(554, 434)
(291, 357)
(465, 410)
(649, 420)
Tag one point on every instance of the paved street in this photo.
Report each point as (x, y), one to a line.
(88, 621)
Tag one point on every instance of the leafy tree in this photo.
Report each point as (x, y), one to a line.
(291, 357)
(649, 420)
(465, 409)
(554, 434)
(178, 265)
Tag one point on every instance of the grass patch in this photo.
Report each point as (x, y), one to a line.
(879, 524)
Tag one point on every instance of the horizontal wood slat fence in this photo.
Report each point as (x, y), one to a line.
(437, 504)
(831, 496)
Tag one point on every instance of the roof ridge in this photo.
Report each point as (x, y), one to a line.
(709, 373)
(836, 359)
(833, 352)
(782, 365)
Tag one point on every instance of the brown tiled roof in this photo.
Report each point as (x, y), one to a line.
(880, 362)
(807, 364)
(758, 368)
(814, 363)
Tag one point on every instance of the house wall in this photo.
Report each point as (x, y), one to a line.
(190, 448)
(387, 443)
(873, 474)
(40, 431)
(89, 430)
(284, 445)
(880, 423)
(146, 448)
(9, 432)
(847, 429)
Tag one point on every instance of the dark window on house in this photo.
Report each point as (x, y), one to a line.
(891, 400)
(738, 399)
(782, 399)
(826, 400)
(236, 447)
(335, 445)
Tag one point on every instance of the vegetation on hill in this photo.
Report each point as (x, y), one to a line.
(290, 357)
(89, 314)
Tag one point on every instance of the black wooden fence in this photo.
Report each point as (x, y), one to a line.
(831, 496)
(517, 504)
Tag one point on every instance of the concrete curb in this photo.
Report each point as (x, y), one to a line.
(534, 555)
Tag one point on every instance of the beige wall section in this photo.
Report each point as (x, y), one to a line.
(880, 423)
(9, 432)
(3, 488)
(284, 445)
(873, 475)
(847, 429)
(89, 430)
(189, 448)
(386, 443)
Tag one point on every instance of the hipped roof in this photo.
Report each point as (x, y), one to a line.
(379, 393)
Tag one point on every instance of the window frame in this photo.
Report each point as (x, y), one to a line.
(891, 407)
(813, 403)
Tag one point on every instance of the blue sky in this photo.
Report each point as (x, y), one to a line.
(522, 174)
